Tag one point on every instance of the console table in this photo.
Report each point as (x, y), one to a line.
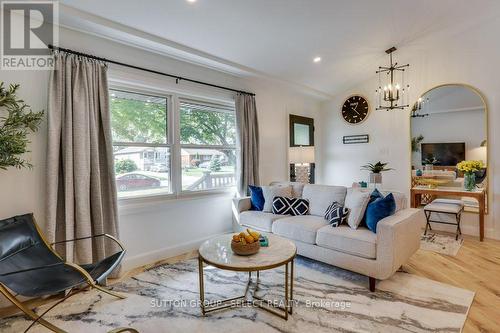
(479, 194)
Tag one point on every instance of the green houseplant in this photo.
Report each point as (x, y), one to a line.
(17, 120)
(376, 170)
(415, 143)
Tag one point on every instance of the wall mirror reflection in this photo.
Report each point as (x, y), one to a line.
(449, 126)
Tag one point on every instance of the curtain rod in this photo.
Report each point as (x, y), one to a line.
(176, 77)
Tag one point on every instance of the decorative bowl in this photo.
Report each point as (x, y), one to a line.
(245, 249)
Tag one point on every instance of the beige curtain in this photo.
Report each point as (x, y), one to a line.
(247, 127)
(81, 192)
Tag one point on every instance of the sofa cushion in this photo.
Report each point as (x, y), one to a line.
(322, 196)
(270, 192)
(378, 210)
(373, 196)
(360, 242)
(290, 206)
(261, 221)
(399, 198)
(297, 187)
(356, 200)
(256, 198)
(336, 214)
(302, 228)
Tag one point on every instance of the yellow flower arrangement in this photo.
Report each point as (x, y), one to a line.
(470, 166)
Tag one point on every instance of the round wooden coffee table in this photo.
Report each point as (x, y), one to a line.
(217, 252)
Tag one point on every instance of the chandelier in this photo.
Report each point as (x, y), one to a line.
(419, 106)
(394, 94)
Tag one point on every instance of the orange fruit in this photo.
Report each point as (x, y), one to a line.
(249, 239)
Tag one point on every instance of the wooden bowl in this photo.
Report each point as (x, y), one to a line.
(245, 249)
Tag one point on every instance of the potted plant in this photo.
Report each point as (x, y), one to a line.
(376, 171)
(429, 162)
(16, 122)
(469, 168)
(415, 143)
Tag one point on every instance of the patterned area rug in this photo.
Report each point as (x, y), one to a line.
(441, 243)
(329, 299)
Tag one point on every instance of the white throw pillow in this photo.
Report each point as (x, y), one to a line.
(270, 192)
(356, 201)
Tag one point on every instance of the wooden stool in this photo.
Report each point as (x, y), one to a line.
(444, 206)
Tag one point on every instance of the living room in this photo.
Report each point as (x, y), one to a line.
(194, 101)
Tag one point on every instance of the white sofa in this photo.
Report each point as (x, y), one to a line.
(376, 255)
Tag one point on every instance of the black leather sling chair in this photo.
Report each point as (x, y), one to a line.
(30, 267)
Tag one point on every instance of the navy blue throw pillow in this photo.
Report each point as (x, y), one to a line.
(256, 198)
(373, 196)
(336, 214)
(290, 206)
(378, 210)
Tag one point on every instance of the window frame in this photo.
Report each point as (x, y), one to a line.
(231, 108)
(173, 141)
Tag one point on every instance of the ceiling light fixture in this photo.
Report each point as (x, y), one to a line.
(419, 105)
(394, 94)
(317, 59)
(191, 1)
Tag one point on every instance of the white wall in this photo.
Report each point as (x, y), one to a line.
(469, 56)
(161, 228)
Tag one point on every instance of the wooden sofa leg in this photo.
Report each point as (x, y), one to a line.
(372, 283)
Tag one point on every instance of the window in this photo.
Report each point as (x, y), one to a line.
(153, 158)
(208, 145)
(140, 143)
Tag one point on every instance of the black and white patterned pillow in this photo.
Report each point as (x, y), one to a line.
(290, 206)
(336, 214)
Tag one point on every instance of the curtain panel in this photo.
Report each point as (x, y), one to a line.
(247, 127)
(81, 191)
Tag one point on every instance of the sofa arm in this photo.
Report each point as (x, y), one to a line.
(241, 204)
(398, 238)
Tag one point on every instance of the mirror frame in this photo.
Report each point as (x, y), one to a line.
(488, 154)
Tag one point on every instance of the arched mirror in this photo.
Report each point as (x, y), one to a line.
(448, 126)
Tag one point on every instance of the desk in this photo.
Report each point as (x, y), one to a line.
(479, 194)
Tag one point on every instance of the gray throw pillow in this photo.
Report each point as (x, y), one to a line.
(297, 187)
(356, 201)
(270, 192)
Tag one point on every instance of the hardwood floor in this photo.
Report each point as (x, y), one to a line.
(476, 267)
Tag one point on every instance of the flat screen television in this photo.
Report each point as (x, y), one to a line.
(446, 153)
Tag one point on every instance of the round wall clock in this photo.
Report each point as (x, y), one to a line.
(355, 109)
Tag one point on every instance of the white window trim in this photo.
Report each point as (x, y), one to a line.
(173, 143)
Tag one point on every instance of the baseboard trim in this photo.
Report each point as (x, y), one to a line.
(139, 260)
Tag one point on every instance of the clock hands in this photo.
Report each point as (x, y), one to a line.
(350, 111)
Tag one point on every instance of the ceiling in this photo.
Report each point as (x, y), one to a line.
(278, 38)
